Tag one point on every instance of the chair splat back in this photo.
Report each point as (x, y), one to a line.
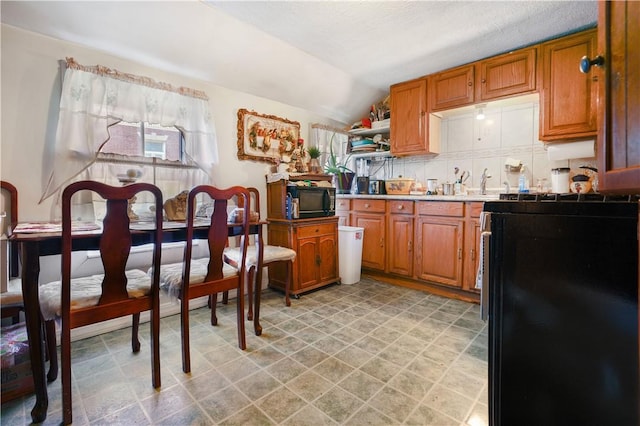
(115, 245)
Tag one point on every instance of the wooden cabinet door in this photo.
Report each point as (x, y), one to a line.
(399, 220)
(510, 74)
(439, 249)
(471, 253)
(619, 91)
(373, 241)
(308, 258)
(472, 230)
(452, 88)
(568, 98)
(327, 248)
(400, 248)
(409, 118)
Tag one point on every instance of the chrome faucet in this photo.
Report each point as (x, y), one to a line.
(483, 182)
(507, 187)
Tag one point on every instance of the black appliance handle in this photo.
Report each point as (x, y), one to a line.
(326, 202)
(482, 276)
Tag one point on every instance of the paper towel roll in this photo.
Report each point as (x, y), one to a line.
(570, 150)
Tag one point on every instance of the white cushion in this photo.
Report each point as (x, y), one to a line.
(86, 291)
(171, 275)
(269, 254)
(13, 295)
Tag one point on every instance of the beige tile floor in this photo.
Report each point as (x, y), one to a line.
(363, 354)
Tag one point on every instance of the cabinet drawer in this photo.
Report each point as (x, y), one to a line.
(475, 209)
(400, 207)
(316, 230)
(441, 208)
(343, 205)
(369, 205)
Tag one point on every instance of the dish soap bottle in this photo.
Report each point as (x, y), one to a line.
(523, 184)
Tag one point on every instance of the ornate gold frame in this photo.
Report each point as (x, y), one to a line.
(266, 137)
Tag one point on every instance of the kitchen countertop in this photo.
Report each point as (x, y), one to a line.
(470, 197)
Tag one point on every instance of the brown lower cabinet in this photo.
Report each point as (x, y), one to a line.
(433, 245)
(439, 239)
(316, 244)
(370, 215)
(400, 236)
(472, 230)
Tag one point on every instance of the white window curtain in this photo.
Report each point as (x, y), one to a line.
(323, 136)
(96, 97)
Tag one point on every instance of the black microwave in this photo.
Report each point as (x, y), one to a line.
(310, 201)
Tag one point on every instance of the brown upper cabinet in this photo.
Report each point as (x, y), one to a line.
(510, 74)
(413, 130)
(502, 76)
(619, 91)
(452, 88)
(568, 98)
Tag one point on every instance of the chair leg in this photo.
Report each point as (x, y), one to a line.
(242, 342)
(225, 298)
(184, 332)
(50, 339)
(250, 280)
(65, 355)
(214, 302)
(135, 325)
(155, 346)
(287, 284)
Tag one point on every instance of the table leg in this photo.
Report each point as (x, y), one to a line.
(30, 273)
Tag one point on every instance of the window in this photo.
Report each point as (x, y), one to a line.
(144, 140)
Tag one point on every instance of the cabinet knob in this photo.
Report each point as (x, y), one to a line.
(586, 63)
(401, 206)
(366, 205)
(469, 84)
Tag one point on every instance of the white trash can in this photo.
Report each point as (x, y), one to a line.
(350, 249)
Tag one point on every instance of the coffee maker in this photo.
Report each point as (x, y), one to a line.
(362, 175)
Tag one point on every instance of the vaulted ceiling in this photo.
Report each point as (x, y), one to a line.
(331, 57)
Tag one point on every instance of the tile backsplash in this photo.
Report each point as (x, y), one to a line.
(507, 132)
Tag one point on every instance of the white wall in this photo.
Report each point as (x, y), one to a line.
(510, 130)
(30, 95)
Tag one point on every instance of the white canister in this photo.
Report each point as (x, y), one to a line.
(560, 180)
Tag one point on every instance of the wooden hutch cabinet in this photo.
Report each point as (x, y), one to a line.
(568, 99)
(619, 91)
(316, 243)
(314, 240)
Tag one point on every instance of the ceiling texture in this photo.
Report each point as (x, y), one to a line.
(335, 58)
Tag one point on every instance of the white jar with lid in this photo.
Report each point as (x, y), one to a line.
(560, 180)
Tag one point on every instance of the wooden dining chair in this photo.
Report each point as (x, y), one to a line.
(115, 293)
(192, 279)
(11, 303)
(271, 256)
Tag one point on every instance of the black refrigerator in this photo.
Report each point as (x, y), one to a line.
(560, 280)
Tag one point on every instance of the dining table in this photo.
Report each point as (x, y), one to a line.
(36, 239)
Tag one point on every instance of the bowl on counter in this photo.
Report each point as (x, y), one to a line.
(398, 186)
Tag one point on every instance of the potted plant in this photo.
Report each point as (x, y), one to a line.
(314, 163)
(343, 175)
